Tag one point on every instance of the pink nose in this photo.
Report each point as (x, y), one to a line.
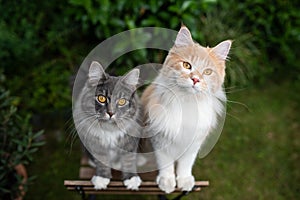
(195, 80)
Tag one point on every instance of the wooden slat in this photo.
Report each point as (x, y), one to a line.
(84, 160)
(129, 192)
(123, 189)
(117, 187)
(86, 172)
(120, 184)
(148, 186)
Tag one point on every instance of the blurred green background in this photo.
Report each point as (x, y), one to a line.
(42, 44)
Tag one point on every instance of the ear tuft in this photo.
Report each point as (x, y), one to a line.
(222, 49)
(184, 37)
(96, 73)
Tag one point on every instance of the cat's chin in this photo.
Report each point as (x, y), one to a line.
(195, 90)
(192, 90)
(109, 122)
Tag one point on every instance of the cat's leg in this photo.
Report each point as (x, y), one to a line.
(185, 179)
(130, 178)
(129, 165)
(103, 174)
(166, 177)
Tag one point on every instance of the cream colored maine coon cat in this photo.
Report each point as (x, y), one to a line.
(182, 105)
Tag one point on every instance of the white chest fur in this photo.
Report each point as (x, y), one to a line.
(92, 133)
(107, 138)
(183, 118)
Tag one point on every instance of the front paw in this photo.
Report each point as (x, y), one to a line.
(166, 183)
(133, 183)
(100, 182)
(186, 183)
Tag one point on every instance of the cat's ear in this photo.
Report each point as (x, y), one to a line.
(132, 77)
(96, 73)
(183, 37)
(222, 49)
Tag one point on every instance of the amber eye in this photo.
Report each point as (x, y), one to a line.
(187, 65)
(101, 99)
(121, 102)
(207, 71)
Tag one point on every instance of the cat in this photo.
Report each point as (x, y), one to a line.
(181, 107)
(106, 116)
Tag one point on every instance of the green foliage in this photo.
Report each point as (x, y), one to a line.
(107, 18)
(18, 143)
(110, 18)
(37, 52)
(243, 56)
(274, 28)
(44, 42)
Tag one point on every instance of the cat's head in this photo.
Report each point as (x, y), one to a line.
(115, 99)
(194, 68)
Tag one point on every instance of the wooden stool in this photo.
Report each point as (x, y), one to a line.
(148, 187)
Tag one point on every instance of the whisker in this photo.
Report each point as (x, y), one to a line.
(234, 117)
(239, 103)
(71, 134)
(233, 89)
(88, 136)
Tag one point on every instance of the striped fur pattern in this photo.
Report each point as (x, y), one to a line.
(106, 115)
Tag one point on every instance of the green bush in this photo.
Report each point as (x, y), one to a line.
(18, 143)
(274, 28)
(44, 42)
(37, 52)
(106, 18)
(109, 18)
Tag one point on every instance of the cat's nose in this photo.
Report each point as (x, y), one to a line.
(110, 114)
(195, 80)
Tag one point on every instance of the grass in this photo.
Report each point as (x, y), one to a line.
(258, 152)
(257, 156)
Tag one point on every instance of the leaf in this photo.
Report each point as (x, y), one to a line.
(38, 134)
(37, 144)
(186, 5)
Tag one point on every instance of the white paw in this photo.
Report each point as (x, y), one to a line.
(133, 183)
(166, 183)
(186, 183)
(100, 182)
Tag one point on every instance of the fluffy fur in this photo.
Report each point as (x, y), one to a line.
(110, 129)
(182, 105)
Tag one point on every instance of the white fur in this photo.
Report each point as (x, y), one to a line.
(100, 182)
(177, 114)
(166, 183)
(185, 120)
(185, 183)
(133, 183)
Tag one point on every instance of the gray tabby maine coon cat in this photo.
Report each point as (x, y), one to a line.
(182, 107)
(106, 116)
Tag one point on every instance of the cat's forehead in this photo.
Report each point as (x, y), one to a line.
(195, 54)
(113, 86)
